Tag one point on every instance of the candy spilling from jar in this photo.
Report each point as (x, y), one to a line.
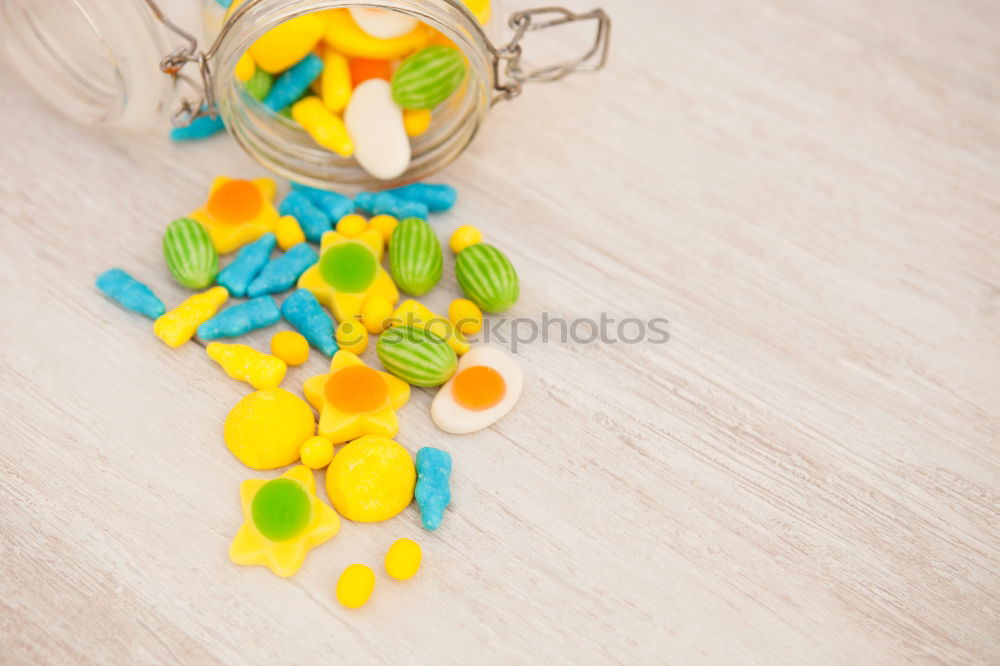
(361, 82)
(370, 477)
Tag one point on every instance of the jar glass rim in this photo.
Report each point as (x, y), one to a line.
(283, 147)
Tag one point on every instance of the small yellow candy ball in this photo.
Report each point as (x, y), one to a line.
(290, 347)
(288, 232)
(466, 316)
(403, 559)
(355, 586)
(352, 225)
(465, 236)
(375, 312)
(416, 121)
(352, 336)
(384, 224)
(316, 452)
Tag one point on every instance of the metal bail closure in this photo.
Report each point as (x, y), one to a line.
(539, 19)
(173, 62)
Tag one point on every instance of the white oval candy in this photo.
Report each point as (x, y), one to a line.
(452, 417)
(382, 23)
(375, 125)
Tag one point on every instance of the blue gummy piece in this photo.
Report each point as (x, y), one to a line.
(432, 492)
(437, 198)
(333, 204)
(313, 221)
(308, 317)
(240, 319)
(237, 276)
(283, 272)
(130, 293)
(200, 128)
(383, 203)
(296, 80)
(224, 3)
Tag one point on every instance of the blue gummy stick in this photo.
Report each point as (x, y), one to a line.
(383, 203)
(296, 80)
(313, 221)
(437, 198)
(282, 273)
(130, 293)
(200, 128)
(333, 204)
(240, 319)
(432, 492)
(308, 317)
(237, 276)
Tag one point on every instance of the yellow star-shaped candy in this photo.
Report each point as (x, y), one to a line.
(238, 212)
(282, 521)
(348, 273)
(354, 400)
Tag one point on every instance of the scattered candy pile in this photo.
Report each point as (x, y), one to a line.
(361, 82)
(371, 477)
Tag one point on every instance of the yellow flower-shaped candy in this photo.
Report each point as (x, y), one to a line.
(282, 521)
(349, 273)
(354, 400)
(238, 212)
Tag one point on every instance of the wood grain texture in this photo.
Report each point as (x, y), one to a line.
(806, 473)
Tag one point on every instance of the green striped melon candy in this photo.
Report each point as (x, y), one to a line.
(428, 77)
(416, 356)
(415, 257)
(190, 254)
(487, 277)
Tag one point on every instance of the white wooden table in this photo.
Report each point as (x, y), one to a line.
(807, 473)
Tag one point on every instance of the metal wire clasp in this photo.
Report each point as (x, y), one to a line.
(510, 76)
(173, 62)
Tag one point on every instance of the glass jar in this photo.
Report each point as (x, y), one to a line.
(101, 63)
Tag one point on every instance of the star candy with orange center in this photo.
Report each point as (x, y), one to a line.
(238, 212)
(354, 400)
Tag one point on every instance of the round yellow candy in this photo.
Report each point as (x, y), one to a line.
(403, 559)
(465, 315)
(352, 336)
(266, 428)
(416, 121)
(352, 225)
(463, 237)
(290, 347)
(375, 312)
(355, 585)
(371, 479)
(384, 224)
(316, 452)
(288, 232)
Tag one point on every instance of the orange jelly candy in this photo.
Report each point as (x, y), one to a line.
(235, 202)
(363, 69)
(479, 387)
(356, 389)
